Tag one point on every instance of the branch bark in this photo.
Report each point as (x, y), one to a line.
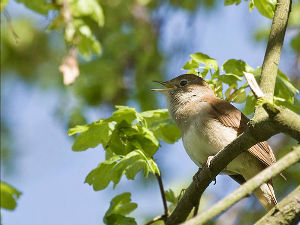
(273, 52)
(275, 42)
(284, 120)
(247, 188)
(286, 212)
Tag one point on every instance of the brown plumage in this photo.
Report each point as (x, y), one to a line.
(209, 123)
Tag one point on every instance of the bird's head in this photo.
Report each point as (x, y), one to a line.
(184, 87)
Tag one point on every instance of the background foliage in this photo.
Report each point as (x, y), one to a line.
(112, 51)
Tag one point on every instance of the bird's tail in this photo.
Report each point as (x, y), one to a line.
(265, 194)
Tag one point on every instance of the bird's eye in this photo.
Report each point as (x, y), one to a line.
(183, 83)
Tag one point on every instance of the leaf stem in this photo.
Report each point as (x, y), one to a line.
(163, 196)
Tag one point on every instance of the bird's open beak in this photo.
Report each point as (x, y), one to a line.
(166, 84)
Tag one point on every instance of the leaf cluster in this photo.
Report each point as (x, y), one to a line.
(73, 17)
(264, 7)
(231, 85)
(130, 140)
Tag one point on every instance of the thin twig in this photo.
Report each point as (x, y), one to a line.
(163, 196)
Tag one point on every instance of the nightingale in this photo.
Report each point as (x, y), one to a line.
(208, 124)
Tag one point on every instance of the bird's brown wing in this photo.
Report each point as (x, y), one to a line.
(230, 116)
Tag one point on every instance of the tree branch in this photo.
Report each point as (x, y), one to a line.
(273, 52)
(286, 212)
(247, 188)
(284, 120)
(275, 42)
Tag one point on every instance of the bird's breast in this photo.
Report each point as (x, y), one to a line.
(205, 137)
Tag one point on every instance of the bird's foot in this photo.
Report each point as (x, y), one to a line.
(209, 160)
(208, 165)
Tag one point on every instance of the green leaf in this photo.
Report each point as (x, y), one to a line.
(126, 138)
(119, 142)
(265, 7)
(78, 33)
(131, 164)
(148, 142)
(190, 65)
(206, 60)
(285, 84)
(237, 67)
(231, 2)
(239, 96)
(3, 4)
(217, 86)
(97, 132)
(91, 8)
(120, 206)
(78, 129)
(88, 44)
(160, 123)
(251, 5)
(166, 130)
(119, 134)
(170, 196)
(125, 113)
(250, 104)
(229, 78)
(294, 18)
(9, 196)
(101, 176)
(39, 6)
(153, 116)
(116, 166)
(228, 92)
(116, 219)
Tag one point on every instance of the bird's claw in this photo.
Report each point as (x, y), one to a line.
(209, 160)
(195, 177)
(208, 165)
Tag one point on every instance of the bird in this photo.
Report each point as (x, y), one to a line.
(208, 124)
